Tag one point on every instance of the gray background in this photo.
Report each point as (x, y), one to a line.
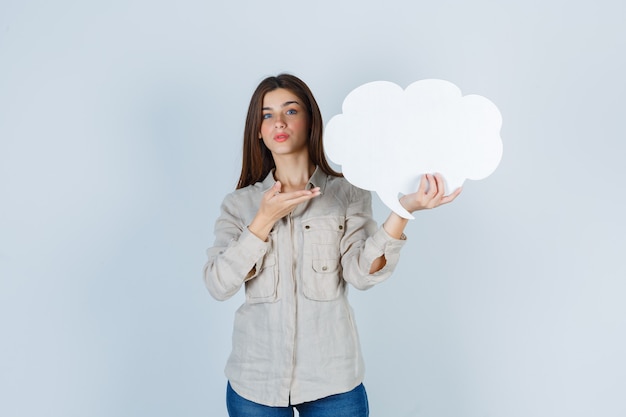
(120, 133)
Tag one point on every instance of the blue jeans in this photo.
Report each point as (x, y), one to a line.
(349, 404)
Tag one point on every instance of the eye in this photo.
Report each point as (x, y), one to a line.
(266, 116)
(292, 111)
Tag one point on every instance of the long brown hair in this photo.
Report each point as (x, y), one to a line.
(257, 159)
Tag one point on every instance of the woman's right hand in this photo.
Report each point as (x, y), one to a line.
(275, 205)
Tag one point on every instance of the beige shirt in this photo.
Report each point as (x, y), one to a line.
(295, 338)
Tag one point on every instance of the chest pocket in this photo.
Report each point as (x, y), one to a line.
(322, 274)
(262, 288)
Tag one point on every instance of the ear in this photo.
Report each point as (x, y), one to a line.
(260, 136)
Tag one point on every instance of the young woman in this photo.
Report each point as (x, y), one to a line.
(294, 233)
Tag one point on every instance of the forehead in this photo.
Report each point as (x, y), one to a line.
(277, 98)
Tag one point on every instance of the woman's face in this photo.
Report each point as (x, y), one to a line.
(285, 124)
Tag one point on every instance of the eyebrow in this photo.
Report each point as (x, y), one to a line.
(286, 103)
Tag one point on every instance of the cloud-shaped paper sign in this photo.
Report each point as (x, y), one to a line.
(387, 138)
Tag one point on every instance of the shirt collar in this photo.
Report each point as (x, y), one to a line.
(318, 179)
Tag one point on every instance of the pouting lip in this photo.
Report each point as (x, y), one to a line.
(281, 137)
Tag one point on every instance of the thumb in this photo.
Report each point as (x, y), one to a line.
(275, 188)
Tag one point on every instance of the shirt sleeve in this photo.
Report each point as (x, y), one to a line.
(364, 241)
(236, 256)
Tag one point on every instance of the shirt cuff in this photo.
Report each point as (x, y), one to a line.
(254, 249)
(386, 243)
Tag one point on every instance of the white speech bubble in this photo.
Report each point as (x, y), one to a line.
(387, 138)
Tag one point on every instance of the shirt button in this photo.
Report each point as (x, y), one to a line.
(324, 268)
(307, 227)
(340, 227)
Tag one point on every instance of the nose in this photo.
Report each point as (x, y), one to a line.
(279, 122)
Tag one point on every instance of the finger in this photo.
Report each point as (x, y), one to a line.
(275, 190)
(423, 187)
(305, 198)
(433, 186)
(440, 184)
(302, 194)
(449, 198)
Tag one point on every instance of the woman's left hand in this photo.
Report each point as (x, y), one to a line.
(430, 194)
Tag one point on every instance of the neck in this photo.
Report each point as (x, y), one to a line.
(293, 174)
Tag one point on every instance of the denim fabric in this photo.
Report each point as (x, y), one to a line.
(348, 404)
